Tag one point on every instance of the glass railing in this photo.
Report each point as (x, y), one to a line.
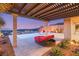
(20, 31)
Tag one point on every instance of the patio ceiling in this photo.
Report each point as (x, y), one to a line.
(46, 11)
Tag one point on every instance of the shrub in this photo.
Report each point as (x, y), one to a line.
(76, 52)
(46, 43)
(74, 41)
(64, 44)
(56, 51)
(77, 42)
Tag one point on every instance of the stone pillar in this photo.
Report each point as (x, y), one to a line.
(14, 30)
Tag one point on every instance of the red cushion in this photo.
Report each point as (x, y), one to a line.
(50, 36)
(40, 38)
(43, 38)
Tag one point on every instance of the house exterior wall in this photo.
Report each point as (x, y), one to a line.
(69, 28)
(53, 28)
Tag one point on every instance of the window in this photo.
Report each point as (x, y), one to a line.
(77, 27)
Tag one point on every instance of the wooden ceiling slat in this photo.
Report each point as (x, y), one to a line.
(16, 8)
(32, 8)
(51, 11)
(63, 11)
(29, 7)
(45, 10)
(47, 5)
(69, 13)
(39, 7)
(63, 15)
(22, 7)
(54, 10)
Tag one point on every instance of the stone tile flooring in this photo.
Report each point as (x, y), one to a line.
(28, 47)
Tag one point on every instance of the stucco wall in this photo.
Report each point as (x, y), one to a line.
(69, 28)
(74, 21)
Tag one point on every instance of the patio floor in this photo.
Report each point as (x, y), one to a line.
(28, 47)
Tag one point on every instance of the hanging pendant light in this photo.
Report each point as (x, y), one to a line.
(4, 7)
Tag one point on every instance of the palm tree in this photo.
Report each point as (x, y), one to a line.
(2, 23)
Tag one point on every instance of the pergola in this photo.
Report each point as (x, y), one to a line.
(42, 11)
(46, 11)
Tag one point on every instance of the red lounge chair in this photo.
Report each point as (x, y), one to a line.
(40, 39)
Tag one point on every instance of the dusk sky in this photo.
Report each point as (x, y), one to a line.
(25, 23)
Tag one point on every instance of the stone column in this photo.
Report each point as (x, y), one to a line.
(14, 30)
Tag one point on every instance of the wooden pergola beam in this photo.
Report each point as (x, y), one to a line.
(32, 8)
(22, 7)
